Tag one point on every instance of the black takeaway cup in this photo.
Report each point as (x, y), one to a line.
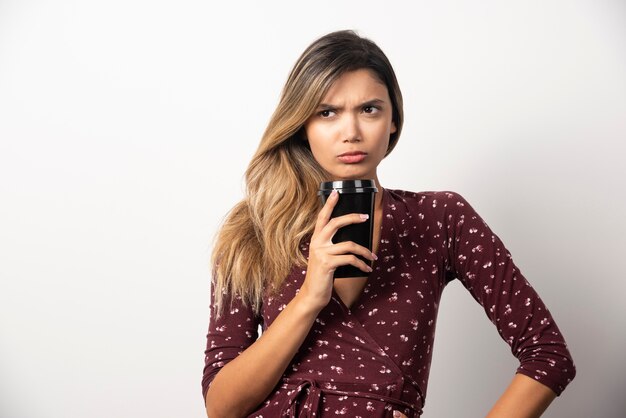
(355, 196)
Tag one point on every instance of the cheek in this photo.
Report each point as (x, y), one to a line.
(384, 134)
(318, 137)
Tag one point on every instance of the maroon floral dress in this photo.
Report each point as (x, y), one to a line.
(375, 357)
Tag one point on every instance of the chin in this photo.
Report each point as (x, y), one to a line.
(353, 176)
(351, 172)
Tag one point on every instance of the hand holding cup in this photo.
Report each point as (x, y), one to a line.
(326, 256)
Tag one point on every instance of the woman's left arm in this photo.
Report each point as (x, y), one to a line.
(524, 398)
(481, 262)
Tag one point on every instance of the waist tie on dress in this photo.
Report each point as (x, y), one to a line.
(310, 407)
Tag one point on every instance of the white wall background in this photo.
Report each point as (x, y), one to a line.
(126, 126)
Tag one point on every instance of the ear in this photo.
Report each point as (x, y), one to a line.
(393, 127)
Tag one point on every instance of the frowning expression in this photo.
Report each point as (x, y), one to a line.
(349, 132)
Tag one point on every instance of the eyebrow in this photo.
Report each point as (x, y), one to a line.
(326, 106)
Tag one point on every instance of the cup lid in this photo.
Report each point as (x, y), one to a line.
(348, 186)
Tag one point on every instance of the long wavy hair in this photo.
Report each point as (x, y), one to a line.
(259, 240)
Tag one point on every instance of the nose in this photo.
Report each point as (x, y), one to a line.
(351, 128)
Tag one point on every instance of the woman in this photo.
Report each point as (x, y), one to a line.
(354, 346)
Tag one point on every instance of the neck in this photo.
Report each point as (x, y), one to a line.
(379, 196)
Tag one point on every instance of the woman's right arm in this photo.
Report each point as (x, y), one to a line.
(245, 382)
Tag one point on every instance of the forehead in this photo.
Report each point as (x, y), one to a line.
(362, 84)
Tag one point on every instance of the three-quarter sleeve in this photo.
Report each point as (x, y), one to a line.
(228, 336)
(481, 262)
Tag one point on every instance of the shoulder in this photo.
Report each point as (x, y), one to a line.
(429, 199)
(436, 208)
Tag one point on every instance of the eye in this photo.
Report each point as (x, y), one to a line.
(326, 113)
(370, 109)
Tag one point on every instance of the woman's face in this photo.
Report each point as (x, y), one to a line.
(349, 132)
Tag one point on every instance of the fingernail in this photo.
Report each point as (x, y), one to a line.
(375, 256)
(333, 193)
(397, 414)
(364, 216)
(370, 269)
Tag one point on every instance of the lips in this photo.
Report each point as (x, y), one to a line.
(352, 157)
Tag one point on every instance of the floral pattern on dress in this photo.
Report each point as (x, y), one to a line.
(374, 357)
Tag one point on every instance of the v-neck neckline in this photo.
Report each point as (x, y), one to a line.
(381, 241)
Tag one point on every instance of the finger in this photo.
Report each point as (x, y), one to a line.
(324, 214)
(398, 414)
(344, 260)
(330, 229)
(351, 247)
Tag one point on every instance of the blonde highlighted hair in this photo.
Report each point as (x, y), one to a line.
(259, 241)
